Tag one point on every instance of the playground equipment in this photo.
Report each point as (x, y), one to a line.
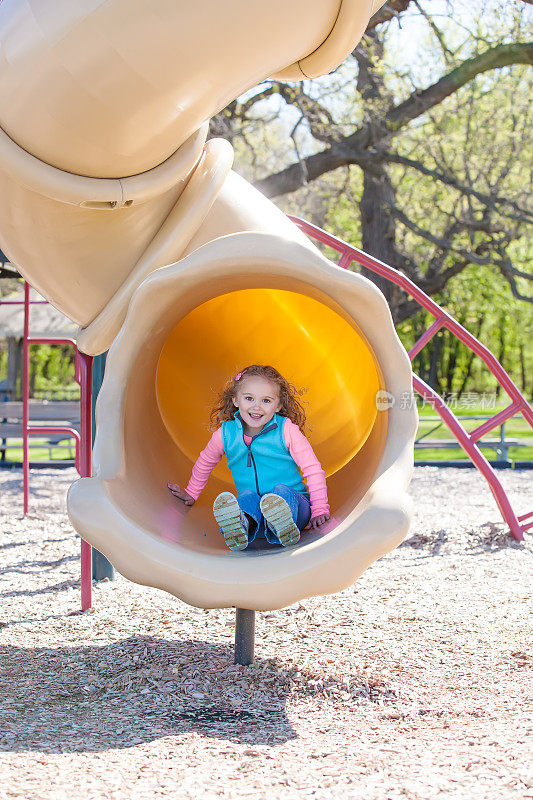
(103, 128)
(188, 327)
(83, 438)
(127, 184)
(141, 234)
(468, 441)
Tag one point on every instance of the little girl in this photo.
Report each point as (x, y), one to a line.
(258, 422)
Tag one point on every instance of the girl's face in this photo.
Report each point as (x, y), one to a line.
(257, 400)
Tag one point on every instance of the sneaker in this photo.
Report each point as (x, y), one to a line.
(279, 519)
(233, 523)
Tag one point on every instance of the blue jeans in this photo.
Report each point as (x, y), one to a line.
(298, 503)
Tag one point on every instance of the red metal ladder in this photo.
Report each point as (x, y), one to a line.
(83, 377)
(468, 441)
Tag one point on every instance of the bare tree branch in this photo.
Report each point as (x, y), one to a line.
(522, 215)
(500, 56)
(241, 109)
(320, 121)
(510, 273)
(447, 53)
(473, 223)
(390, 10)
(354, 148)
(444, 244)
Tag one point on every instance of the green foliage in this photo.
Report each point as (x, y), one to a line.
(52, 372)
(480, 300)
(480, 137)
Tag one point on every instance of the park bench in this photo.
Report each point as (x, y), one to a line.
(54, 413)
(500, 444)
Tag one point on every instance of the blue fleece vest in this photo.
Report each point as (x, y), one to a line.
(263, 463)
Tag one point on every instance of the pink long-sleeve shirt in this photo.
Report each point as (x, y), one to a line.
(297, 445)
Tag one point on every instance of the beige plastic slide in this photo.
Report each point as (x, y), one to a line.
(116, 209)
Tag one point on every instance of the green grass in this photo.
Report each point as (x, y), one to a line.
(515, 428)
(14, 454)
(516, 454)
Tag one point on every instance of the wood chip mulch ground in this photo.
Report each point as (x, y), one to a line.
(414, 684)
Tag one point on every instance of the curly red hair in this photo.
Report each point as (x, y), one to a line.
(288, 396)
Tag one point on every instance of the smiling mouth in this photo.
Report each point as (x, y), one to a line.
(256, 416)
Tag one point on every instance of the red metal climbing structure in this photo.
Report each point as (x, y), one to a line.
(83, 376)
(468, 441)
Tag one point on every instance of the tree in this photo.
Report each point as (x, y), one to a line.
(437, 185)
(424, 162)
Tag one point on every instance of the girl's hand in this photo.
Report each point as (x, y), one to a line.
(181, 494)
(316, 522)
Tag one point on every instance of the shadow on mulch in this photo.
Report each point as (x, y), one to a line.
(90, 699)
(138, 690)
(10, 545)
(14, 488)
(28, 566)
(56, 587)
(431, 542)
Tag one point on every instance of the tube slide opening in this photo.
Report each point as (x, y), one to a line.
(174, 384)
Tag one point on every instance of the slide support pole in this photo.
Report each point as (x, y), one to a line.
(244, 636)
(101, 568)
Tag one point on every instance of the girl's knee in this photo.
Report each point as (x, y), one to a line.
(247, 495)
(281, 490)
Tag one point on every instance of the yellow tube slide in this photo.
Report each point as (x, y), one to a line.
(245, 298)
(321, 351)
(116, 209)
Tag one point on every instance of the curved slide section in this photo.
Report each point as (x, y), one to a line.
(118, 212)
(244, 298)
(103, 117)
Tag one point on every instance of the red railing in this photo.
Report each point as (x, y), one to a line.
(83, 439)
(468, 441)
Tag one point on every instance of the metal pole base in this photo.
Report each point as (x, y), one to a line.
(244, 636)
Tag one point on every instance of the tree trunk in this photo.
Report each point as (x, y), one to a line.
(523, 369)
(379, 229)
(451, 347)
(433, 375)
(14, 362)
(501, 352)
(471, 356)
(378, 225)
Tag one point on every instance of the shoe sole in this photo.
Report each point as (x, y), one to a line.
(227, 513)
(278, 515)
